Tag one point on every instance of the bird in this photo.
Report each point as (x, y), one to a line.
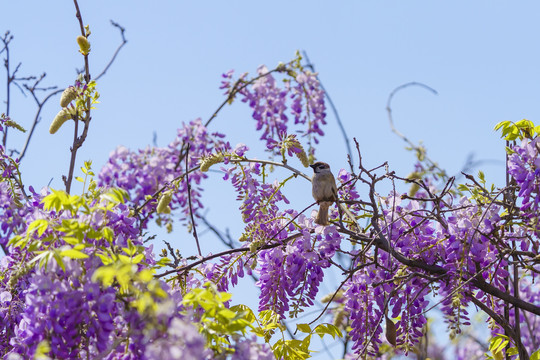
(324, 190)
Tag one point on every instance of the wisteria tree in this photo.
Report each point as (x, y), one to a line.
(79, 280)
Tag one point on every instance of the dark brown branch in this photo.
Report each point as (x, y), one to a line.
(382, 243)
(79, 140)
(504, 324)
(517, 326)
(227, 252)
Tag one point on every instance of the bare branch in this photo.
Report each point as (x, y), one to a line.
(188, 186)
(334, 110)
(124, 41)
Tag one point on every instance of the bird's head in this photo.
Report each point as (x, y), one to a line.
(319, 166)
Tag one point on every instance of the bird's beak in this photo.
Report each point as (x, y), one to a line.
(312, 166)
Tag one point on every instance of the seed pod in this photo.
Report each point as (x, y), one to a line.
(84, 45)
(163, 204)
(68, 96)
(59, 120)
(303, 158)
(390, 331)
(210, 160)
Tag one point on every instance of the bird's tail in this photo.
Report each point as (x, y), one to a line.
(322, 215)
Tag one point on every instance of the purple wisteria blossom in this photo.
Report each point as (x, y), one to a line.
(250, 349)
(300, 97)
(145, 172)
(524, 167)
(291, 277)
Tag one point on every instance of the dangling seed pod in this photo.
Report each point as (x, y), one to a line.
(210, 160)
(68, 96)
(303, 157)
(163, 204)
(59, 120)
(390, 331)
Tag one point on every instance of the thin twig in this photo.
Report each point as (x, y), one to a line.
(334, 110)
(269, 162)
(36, 120)
(226, 252)
(391, 119)
(124, 41)
(235, 90)
(332, 298)
(6, 39)
(188, 186)
(225, 239)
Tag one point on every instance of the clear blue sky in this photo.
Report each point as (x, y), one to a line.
(481, 56)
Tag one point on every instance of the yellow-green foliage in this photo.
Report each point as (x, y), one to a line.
(518, 130)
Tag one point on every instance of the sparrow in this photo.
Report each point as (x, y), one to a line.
(324, 190)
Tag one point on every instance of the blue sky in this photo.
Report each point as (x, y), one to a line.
(481, 56)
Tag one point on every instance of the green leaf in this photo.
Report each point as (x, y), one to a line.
(108, 234)
(463, 187)
(41, 255)
(56, 199)
(73, 254)
(39, 225)
(116, 195)
(512, 351)
(226, 313)
(71, 240)
(105, 274)
(495, 342)
(305, 328)
(130, 250)
(105, 259)
(244, 310)
(223, 296)
(535, 355)
(481, 176)
(328, 329)
(163, 262)
(59, 260)
(501, 124)
(137, 259)
(124, 259)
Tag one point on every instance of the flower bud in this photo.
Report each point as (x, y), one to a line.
(84, 45)
(59, 120)
(68, 96)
